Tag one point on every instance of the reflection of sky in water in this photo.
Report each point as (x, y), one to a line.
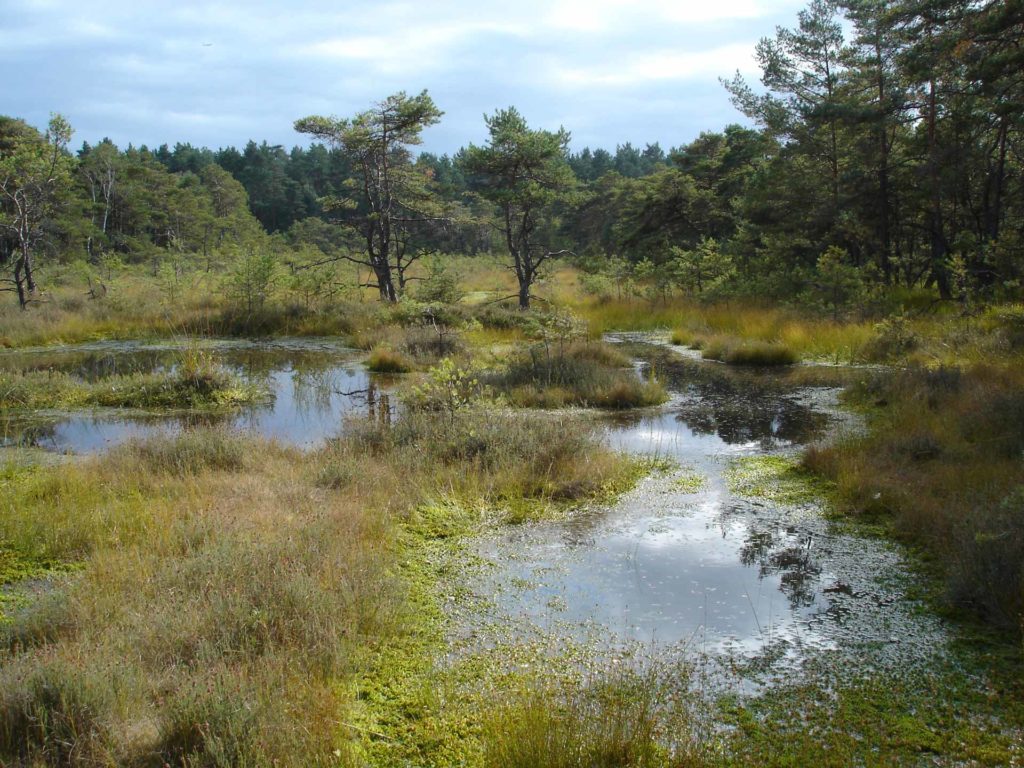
(315, 386)
(669, 566)
(663, 565)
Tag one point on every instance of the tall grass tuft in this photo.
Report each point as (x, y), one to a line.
(755, 353)
(625, 719)
(386, 360)
(192, 451)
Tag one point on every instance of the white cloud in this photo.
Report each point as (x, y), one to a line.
(656, 66)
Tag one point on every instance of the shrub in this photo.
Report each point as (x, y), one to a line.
(431, 342)
(988, 564)
(893, 338)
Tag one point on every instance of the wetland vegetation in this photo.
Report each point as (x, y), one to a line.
(359, 455)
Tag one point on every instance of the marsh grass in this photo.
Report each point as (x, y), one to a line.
(228, 588)
(190, 452)
(941, 467)
(694, 324)
(617, 718)
(197, 381)
(587, 374)
(383, 359)
(230, 596)
(754, 353)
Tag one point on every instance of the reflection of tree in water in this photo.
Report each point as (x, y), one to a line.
(95, 365)
(375, 399)
(27, 434)
(313, 390)
(776, 549)
(739, 406)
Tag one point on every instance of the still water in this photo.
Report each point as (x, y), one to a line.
(668, 564)
(693, 565)
(314, 384)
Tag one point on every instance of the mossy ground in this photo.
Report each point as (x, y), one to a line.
(419, 705)
(780, 479)
(943, 715)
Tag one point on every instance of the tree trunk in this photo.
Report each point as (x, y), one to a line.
(937, 241)
(524, 294)
(19, 280)
(385, 284)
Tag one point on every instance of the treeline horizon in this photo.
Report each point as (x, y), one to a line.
(891, 157)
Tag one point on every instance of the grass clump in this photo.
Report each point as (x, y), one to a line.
(194, 450)
(196, 382)
(503, 457)
(624, 719)
(753, 353)
(590, 374)
(386, 360)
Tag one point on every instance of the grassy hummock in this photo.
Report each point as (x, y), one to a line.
(584, 374)
(197, 382)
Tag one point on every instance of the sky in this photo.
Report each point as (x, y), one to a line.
(218, 74)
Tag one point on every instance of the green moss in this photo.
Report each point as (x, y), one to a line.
(16, 568)
(941, 715)
(411, 709)
(775, 478)
(690, 482)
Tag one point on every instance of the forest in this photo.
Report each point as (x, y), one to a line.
(889, 160)
(358, 454)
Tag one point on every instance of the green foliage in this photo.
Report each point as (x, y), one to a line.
(838, 284)
(523, 171)
(252, 280)
(704, 270)
(387, 200)
(441, 285)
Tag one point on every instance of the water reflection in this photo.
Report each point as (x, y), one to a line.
(668, 565)
(314, 384)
